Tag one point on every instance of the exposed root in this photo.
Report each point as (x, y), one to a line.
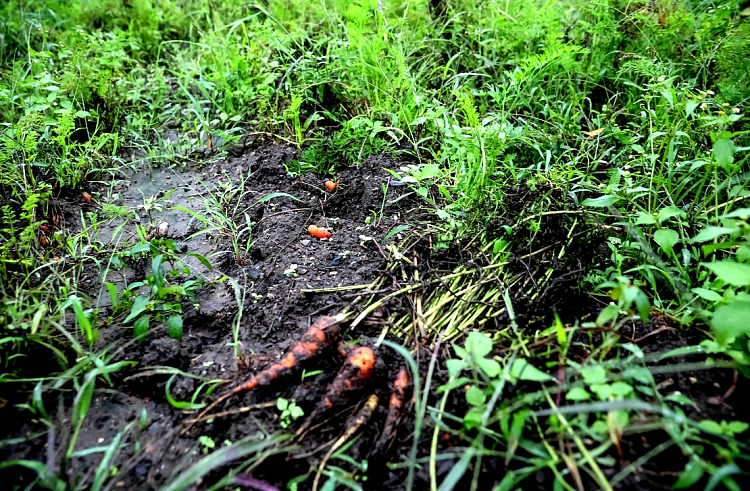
(362, 417)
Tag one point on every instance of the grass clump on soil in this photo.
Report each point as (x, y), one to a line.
(557, 189)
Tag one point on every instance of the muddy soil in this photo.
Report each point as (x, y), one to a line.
(288, 276)
(281, 274)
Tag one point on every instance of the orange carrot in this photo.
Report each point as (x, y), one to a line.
(87, 197)
(320, 335)
(318, 232)
(330, 185)
(395, 410)
(356, 372)
(353, 375)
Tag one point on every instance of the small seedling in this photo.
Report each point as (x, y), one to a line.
(207, 443)
(291, 271)
(306, 374)
(289, 411)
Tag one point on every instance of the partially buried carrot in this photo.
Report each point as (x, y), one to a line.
(320, 335)
(395, 410)
(353, 376)
(330, 185)
(318, 232)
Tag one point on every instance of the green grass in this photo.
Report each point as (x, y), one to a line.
(634, 112)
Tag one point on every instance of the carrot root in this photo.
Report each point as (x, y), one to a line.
(319, 336)
(362, 417)
(353, 376)
(395, 410)
(318, 232)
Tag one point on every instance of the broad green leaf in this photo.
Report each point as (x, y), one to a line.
(113, 296)
(738, 426)
(741, 213)
(604, 391)
(429, 171)
(710, 233)
(140, 247)
(578, 394)
(454, 367)
(140, 327)
(743, 253)
(730, 321)
(691, 475)
(706, 294)
(499, 245)
(666, 238)
(621, 389)
(460, 352)
(489, 367)
(729, 271)
(724, 151)
(475, 396)
(174, 327)
(156, 269)
(594, 374)
(600, 426)
(645, 219)
(607, 314)
(601, 201)
(507, 483)
(670, 212)
(523, 370)
(641, 374)
(478, 344)
(139, 305)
